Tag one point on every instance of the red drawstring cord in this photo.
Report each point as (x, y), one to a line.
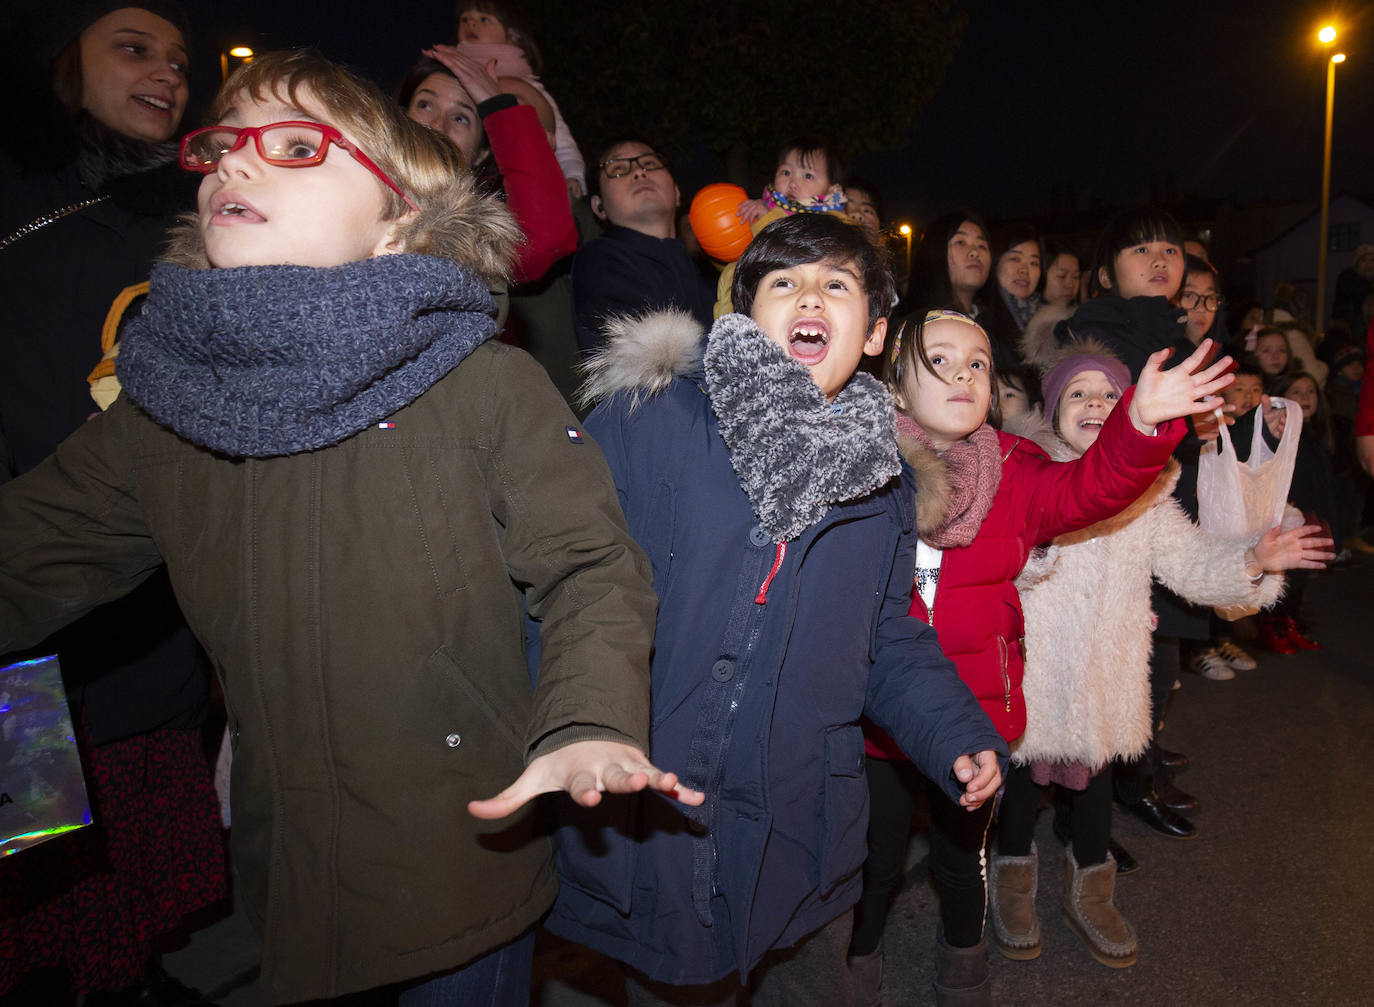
(762, 597)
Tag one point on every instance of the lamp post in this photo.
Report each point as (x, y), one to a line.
(1326, 36)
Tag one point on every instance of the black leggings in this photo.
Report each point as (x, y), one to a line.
(957, 839)
(1090, 810)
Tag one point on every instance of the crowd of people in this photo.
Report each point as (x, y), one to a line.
(289, 444)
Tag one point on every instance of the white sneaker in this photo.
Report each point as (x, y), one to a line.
(1235, 657)
(1209, 664)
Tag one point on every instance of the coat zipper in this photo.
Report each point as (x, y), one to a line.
(762, 597)
(1006, 678)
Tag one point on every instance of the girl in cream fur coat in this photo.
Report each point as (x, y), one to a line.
(1088, 625)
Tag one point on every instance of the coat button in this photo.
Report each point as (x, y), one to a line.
(454, 740)
(696, 826)
(723, 670)
(758, 537)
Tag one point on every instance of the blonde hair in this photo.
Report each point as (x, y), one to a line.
(454, 220)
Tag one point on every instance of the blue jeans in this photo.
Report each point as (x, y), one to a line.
(500, 979)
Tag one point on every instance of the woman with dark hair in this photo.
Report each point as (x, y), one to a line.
(1013, 297)
(504, 142)
(950, 265)
(88, 186)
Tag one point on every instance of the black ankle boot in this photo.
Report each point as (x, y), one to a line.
(1151, 810)
(1173, 798)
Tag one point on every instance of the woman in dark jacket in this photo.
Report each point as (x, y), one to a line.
(88, 185)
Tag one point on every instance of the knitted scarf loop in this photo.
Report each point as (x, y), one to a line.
(975, 472)
(262, 361)
(795, 453)
(1022, 308)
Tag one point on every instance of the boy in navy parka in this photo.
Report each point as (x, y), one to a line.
(760, 473)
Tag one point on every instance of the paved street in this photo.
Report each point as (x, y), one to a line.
(1271, 904)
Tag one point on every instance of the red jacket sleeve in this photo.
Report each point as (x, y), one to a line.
(1060, 497)
(535, 190)
(1364, 414)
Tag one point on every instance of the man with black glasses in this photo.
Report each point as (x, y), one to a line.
(637, 264)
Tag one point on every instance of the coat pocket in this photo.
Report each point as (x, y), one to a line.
(845, 825)
(598, 849)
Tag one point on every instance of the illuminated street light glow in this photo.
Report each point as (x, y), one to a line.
(904, 229)
(1338, 58)
(1327, 35)
(240, 52)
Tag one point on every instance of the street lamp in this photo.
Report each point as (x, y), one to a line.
(1326, 36)
(233, 58)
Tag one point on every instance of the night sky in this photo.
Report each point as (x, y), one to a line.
(1099, 97)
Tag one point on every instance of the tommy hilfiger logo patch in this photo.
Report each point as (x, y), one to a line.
(386, 425)
(575, 435)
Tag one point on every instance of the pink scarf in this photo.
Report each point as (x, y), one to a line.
(975, 471)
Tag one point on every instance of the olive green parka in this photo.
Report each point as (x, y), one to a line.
(364, 605)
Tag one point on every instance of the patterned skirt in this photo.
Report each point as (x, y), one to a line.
(94, 901)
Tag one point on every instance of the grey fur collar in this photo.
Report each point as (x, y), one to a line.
(796, 455)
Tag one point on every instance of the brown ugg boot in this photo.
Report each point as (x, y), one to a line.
(1089, 909)
(866, 978)
(961, 974)
(1012, 884)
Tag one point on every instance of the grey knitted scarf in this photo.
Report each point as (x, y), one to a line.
(796, 454)
(273, 360)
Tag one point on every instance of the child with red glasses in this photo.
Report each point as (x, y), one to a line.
(358, 496)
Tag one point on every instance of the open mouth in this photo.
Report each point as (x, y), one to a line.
(230, 209)
(154, 103)
(809, 342)
(1090, 424)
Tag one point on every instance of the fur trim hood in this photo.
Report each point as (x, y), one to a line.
(641, 356)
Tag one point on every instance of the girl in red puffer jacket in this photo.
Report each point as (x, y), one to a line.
(984, 499)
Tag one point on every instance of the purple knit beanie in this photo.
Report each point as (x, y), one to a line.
(1057, 378)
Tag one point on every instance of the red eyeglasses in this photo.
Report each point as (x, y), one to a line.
(284, 144)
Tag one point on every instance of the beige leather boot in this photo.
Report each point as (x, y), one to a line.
(1089, 909)
(866, 978)
(1012, 884)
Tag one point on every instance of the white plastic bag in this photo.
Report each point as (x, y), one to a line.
(1245, 499)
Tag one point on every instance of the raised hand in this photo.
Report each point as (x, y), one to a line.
(478, 81)
(1189, 388)
(979, 775)
(586, 770)
(1296, 549)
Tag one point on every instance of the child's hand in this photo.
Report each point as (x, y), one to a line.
(979, 775)
(574, 190)
(1275, 417)
(585, 769)
(751, 210)
(1296, 549)
(478, 81)
(1162, 395)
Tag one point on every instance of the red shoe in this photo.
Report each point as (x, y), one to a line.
(1289, 627)
(1273, 635)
